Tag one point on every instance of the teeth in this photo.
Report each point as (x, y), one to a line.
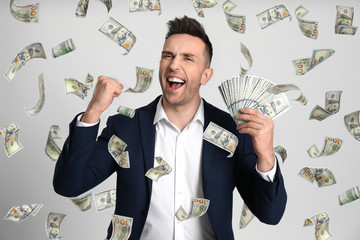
(176, 80)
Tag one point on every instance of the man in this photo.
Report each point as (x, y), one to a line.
(171, 127)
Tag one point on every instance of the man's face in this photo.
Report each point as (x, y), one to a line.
(85, 3)
(356, 130)
(346, 22)
(26, 56)
(121, 33)
(55, 231)
(26, 208)
(146, 3)
(224, 137)
(183, 69)
(333, 107)
(269, 110)
(113, 195)
(273, 13)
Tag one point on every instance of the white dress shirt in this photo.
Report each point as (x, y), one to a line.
(182, 150)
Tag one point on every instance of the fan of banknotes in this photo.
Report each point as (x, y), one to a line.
(252, 92)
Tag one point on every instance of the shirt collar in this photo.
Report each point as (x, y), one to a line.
(160, 113)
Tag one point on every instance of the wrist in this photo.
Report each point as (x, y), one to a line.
(90, 116)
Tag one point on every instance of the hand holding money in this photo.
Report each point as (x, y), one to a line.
(261, 129)
(106, 89)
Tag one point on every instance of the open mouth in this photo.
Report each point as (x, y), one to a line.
(175, 83)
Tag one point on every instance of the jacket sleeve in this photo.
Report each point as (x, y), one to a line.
(84, 162)
(266, 200)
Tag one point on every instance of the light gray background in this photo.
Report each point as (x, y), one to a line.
(26, 177)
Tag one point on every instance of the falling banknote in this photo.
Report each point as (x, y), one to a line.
(159, 171)
(126, 111)
(28, 13)
(20, 213)
(82, 7)
(281, 151)
(63, 48)
(105, 200)
(34, 50)
(119, 34)
(144, 5)
(332, 106)
(199, 206)
(73, 86)
(308, 28)
(344, 20)
(304, 65)
(11, 136)
(245, 51)
(52, 150)
(349, 195)
(246, 216)
(121, 227)
(331, 146)
(352, 124)
(35, 110)
(199, 6)
(321, 222)
(107, 3)
(221, 138)
(323, 176)
(52, 225)
(143, 80)
(83, 203)
(116, 148)
(236, 22)
(272, 15)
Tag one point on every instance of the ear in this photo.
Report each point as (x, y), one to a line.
(206, 76)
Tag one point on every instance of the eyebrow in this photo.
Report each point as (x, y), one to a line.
(182, 54)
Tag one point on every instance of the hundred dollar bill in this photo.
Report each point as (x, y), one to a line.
(281, 88)
(34, 50)
(63, 48)
(308, 28)
(159, 171)
(272, 15)
(83, 203)
(323, 176)
(73, 86)
(344, 20)
(82, 7)
(281, 151)
(275, 106)
(321, 222)
(349, 195)
(144, 5)
(199, 6)
(52, 225)
(331, 146)
(332, 106)
(122, 227)
(20, 213)
(352, 124)
(143, 80)
(199, 206)
(245, 51)
(11, 136)
(126, 111)
(107, 3)
(123, 160)
(221, 138)
(116, 148)
(246, 216)
(119, 34)
(28, 13)
(35, 110)
(235, 22)
(52, 150)
(105, 200)
(304, 65)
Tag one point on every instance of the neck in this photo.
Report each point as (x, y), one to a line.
(181, 115)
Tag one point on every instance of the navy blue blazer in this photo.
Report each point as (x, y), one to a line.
(85, 162)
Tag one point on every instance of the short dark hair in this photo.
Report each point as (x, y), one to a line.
(186, 25)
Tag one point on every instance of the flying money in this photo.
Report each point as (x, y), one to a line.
(235, 22)
(304, 65)
(52, 150)
(82, 7)
(34, 50)
(129, 112)
(11, 135)
(321, 222)
(35, 110)
(221, 138)
(275, 106)
(143, 80)
(282, 88)
(144, 5)
(323, 176)
(116, 148)
(272, 15)
(73, 86)
(63, 48)
(83, 203)
(331, 146)
(28, 13)
(161, 170)
(52, 225)
(332, 106)
(105, 200)
(281, 151)
(199, 6)
(199, 206)
(352, 124)
(122, 227)
(119, 34)
(344, 20)
(123, 160)
(246, 216)
(245, 51)
(308, 28)
(20, 213)
(349, 195)
(107, 3)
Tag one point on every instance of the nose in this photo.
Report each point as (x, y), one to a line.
(174, 64)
